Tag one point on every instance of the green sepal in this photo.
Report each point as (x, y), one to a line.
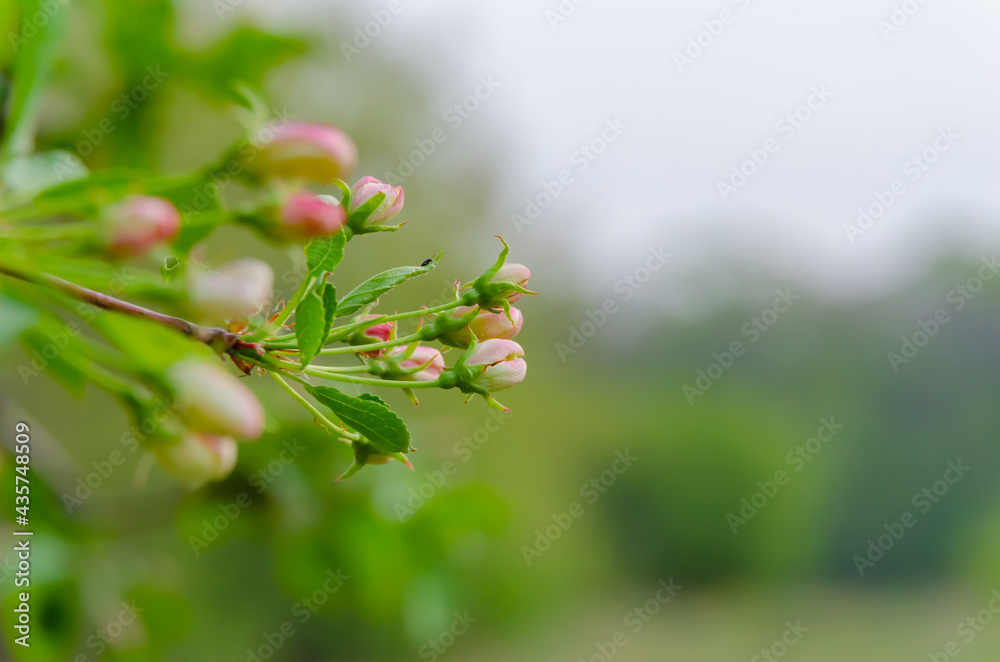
(356, 219)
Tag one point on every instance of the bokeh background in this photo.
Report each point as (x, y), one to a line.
(599, 139)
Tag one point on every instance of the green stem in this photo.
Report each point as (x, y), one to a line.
(273, 327)
(353, 349)
(312, 410)
(365, 381)
(359, 369)
(50, 232)
(420, 313)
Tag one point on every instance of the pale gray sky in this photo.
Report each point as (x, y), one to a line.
(883, 99)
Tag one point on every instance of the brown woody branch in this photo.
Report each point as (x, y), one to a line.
(219, 339)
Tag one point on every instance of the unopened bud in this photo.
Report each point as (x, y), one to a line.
(133, 225)
(485, 326)
(374, 333)
(199, 457)
(366, 188)
(430, 359)
(210, 399)
(304, 150)
(237, 289)
(489, 325)
(502, 362)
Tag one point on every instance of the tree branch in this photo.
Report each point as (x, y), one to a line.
(219, 339)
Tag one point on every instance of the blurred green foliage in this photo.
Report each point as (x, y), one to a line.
(218, 570)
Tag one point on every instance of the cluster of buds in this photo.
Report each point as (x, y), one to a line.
(485, 325)
(492, 361)
(300, 152)
(481, 321)
(297, 153)
(215, 410)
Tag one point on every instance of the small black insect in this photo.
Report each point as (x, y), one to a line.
(426, 262)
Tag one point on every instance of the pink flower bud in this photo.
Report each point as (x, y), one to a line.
(237, 289)
(209, 399)
(224, 451)
(199, 457)
(303, 150)
(502, 361)
(304, 216)
(377, 332)
(373, 334)
(430, 358)
(135, 224)
(518, 274)
(366, 188)
(487, 325)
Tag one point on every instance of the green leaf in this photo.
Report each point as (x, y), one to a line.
(325, 253)
(137, 35)
(329, 307)
(377, 285)
(15, 317)
(313, 318)
(51, 638)
(201, 214)
(310, 319)
(380, 426)
(54, 354)
(104, 186)
(254, 113)
(149, 346)
(86, 195)
(246, 54)
(361, 214)
(371, 397)
(32, 64)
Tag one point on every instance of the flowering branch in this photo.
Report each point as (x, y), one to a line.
(73, 229)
